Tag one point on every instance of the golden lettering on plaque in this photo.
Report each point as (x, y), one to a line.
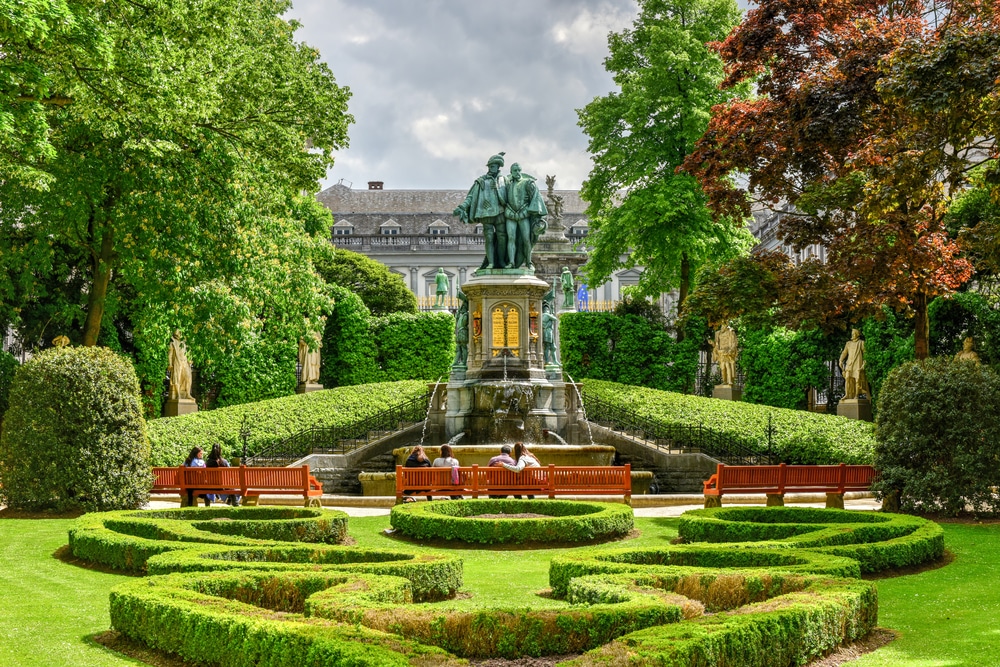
(506, 330)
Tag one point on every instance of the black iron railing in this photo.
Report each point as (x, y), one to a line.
(677, 438)
(342, 439)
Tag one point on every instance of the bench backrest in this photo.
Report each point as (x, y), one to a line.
(793, 476)
(259, 479)
(277, 478)
(555, 478)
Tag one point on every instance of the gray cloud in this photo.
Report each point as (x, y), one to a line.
(440, 85)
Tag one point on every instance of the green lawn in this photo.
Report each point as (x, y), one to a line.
(947, 617)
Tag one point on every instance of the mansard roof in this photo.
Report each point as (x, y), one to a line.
(343, 200)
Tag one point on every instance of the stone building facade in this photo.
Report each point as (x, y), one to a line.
(414, 233)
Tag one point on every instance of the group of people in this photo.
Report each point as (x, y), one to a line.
(196, 459)
(521, 459)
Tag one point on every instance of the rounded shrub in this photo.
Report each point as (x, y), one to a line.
(73, 435)
(938, 437)
(464, 520)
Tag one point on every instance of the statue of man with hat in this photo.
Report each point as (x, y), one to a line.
(484, 205)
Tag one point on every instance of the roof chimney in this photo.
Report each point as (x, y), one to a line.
(374, 185)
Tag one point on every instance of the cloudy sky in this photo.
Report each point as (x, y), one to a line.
(440, 85)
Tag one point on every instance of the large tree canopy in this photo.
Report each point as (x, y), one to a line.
(859, 124)
(178, 165)
(642, 212)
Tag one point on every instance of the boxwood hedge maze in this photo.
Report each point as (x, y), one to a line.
(275, 586)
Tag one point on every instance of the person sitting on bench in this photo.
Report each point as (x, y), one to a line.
(525, 459)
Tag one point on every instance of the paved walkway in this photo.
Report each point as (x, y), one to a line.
(672, 505)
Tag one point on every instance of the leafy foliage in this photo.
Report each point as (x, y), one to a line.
(176, 170)
(938, 437)
(629, 349)
(382, 291)
(272, 420)
(73, 436)
(780, 366)
(8, 367)
(414, 346)
(798, 436)
(841, 136)
(639, 207)
(256, 372)
(349, 352)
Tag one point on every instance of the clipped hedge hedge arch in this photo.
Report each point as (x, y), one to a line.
(782, 601)
(565, 521)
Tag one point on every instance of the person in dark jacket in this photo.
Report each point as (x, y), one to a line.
(215, 460)
(416, 459)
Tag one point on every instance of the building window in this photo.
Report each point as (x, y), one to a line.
(438, 231)
(342, 231)
(390, 231)
(438, 228)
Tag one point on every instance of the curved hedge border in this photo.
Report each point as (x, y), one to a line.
(566, 521)
(799, 436)
(774, 603)
(876, 541)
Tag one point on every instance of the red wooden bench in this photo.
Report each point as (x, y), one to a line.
(250, 483)
(778, 480)
(549, 481)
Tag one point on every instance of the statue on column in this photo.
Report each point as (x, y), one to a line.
(568, 288)
(484, 205)
(440, 288)
(179, 369)
(852, 365)
(525, 212)
(725, 349)
(967, 353)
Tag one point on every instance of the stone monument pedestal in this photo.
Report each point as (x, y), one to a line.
(305, 388)
(179, 406)
(855, 408)
(727, 392)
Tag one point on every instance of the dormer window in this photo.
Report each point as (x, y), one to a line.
(343, 228)
(579, 229)
(389, 228)
(438, 228)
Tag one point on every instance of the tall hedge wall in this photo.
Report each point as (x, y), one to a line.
(358, 348)
(273, 420)
(8, 366)
(799, 436)
(628, 349)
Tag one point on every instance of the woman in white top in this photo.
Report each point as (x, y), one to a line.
(525, 459)
(446, 460)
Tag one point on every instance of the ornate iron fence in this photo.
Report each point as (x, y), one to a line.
(342, 439)
(678, 438)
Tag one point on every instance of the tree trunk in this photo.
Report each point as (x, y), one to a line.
(98, 291)
(921, 327)
(684, 288)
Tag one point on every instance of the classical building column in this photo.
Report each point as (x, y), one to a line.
(413, 280)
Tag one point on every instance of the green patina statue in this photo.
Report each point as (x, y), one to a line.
(525, 212)
(511, 211)
(568, 288)
(549, 334)
(440, 288)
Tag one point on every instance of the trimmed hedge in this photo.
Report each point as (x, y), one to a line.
(74, 436)
(8, 366)
(126, 540)
(877, 541)
(420, 345)
(566, 521)
(273, 420)
(799, 437)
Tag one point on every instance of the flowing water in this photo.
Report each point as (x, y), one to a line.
(583, 409)
(430, 403)
(558, 437)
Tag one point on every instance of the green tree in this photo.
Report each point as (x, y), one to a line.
(383, 291)
(640, 208)
(176, 177)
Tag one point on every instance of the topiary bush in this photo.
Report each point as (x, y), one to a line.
(938, 437)
(74, 436)
(382, 291)
(798, 436)
(256, 372)
(564, 521)
(348, 352)
(780, 366)
(8, 366)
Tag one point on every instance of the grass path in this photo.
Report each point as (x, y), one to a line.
(49, 608)
(949, 617)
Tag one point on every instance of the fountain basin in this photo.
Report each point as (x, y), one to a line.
(560, 455)
(384, 483)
